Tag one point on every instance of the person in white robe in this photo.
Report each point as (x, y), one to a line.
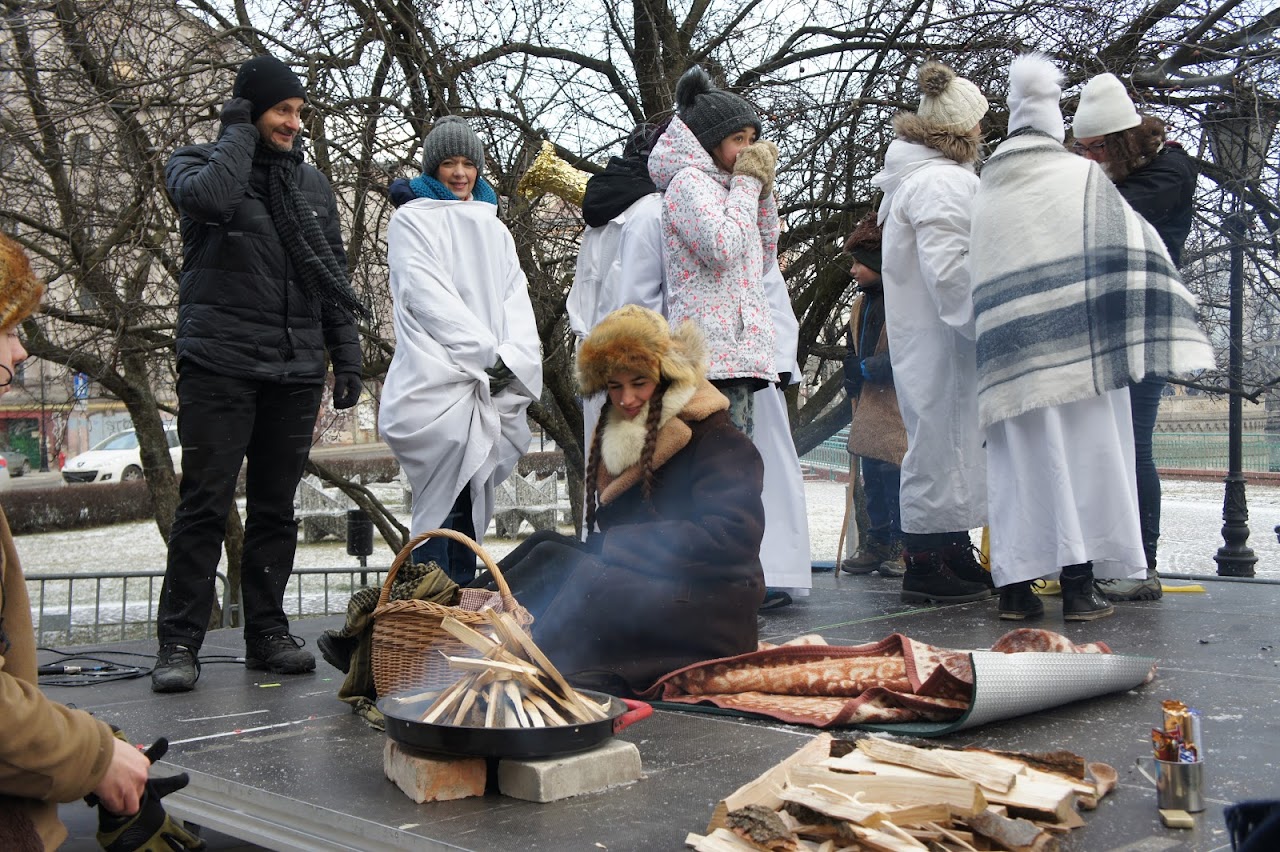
(616, 197)
(468, 360)
(1075, 296)
(928, 182)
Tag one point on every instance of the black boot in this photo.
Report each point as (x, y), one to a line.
(1080, 599)
(929, 578)
(962, 558)
(1018, 602)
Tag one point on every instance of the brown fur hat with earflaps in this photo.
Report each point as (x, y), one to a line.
(637, 340)
(949, 112)
(20, 289)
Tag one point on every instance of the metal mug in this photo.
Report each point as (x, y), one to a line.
(1179, 786)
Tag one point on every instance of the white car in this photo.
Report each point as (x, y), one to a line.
(116, 459)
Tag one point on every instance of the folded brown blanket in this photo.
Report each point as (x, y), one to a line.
(808, 682)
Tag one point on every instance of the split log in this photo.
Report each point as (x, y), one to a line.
(1017, 834)
(763, 827)
(764, 790)
(959, 764)
(963, 797)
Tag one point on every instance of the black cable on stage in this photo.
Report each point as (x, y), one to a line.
(70, 669)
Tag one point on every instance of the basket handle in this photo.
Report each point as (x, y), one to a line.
(508, 601)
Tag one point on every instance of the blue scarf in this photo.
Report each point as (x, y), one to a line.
(425, 186)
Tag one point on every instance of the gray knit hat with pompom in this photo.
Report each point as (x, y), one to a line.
(712, 114)
(451, 137)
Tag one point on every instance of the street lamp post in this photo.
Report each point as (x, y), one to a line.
(1239, 136)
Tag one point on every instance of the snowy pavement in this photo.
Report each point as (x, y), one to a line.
(1191, 534)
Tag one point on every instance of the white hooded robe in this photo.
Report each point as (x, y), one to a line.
(460, 302)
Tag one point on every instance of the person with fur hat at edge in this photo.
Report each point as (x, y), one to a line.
(51, 753)
(264, 294)
(876, 434)
(670, 574)
(1075, 296)
(468, 359)
(720, 232)
(1158, 179)
(928, 182)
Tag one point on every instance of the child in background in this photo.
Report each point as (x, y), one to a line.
(876, 434)
(720, 231)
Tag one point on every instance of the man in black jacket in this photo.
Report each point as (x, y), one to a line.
(264, 294)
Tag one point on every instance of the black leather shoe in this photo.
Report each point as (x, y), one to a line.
(280, 652)
(1018, 602)
(929, 579)
(1081, 601)
(177, 669)
(337, 650)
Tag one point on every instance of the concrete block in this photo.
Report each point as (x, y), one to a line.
(433, 777)
(552, 778)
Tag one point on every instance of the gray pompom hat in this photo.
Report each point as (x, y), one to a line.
(451, 137)
(712, 114)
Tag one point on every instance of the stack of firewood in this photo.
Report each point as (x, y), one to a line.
(884, 795)
(512, 684)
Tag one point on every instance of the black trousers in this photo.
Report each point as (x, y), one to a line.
(222, 421)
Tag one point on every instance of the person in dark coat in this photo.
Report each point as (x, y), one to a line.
(263, 296)
(670, 573)
(876, 435)
(1158, 179)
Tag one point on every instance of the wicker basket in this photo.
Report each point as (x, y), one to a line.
(409, 642)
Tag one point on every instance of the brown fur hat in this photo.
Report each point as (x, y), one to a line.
(20, 289)
(636, 339)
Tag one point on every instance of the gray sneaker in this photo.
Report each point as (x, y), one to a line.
(1145, 589)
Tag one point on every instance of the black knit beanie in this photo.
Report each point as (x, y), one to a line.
(712, 114)
(266, 81)
(451, 137)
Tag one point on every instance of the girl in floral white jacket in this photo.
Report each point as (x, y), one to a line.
(720, 232)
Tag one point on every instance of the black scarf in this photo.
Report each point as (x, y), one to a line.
(621, 184)
(299, 228)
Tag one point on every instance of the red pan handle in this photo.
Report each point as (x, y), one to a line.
(636, 710)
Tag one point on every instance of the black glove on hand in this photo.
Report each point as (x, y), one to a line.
(500, 376)
(784, 381)
(150, 829)
(236, 111)
(346, 390)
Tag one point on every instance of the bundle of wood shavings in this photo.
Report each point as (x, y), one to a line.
(884, 795)
(512, 684)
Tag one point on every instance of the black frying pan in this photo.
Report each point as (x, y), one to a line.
(404, 727)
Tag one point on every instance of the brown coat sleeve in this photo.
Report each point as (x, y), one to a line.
(48, 751)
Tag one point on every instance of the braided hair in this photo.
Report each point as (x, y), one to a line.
(646, 454)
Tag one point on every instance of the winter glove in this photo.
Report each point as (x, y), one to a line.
(150, 829)
(346, 390)
(758, 160)
(236, 111)
(878, 369)
(784, 381)
(500, 376)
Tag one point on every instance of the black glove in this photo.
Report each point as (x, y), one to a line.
(784, 381)
(500, 376)
(150, 829)
(236, 111)
(346, 390)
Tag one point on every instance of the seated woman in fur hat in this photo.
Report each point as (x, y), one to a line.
(670, 573)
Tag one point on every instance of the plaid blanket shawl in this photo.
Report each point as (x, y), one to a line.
(808, 682)
(1074, 293)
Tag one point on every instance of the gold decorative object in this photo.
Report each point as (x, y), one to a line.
(551, 174)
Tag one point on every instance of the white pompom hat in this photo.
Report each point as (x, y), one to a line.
(1105, 107)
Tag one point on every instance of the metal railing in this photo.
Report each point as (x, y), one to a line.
(93, 607)
(1172, 450)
